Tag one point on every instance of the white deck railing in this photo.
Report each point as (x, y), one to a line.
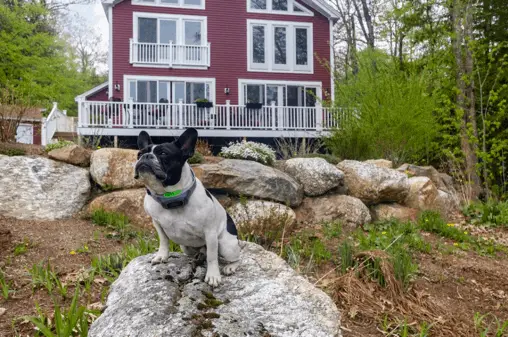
(169, 54)
(227, 116)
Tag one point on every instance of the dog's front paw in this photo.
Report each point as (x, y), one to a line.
(160, 258)
(213, 278)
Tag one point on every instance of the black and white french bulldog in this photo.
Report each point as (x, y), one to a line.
(182, 209)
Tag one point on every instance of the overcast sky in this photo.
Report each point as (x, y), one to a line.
(95, 16)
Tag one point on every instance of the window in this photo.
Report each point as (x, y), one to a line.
(290, 7)
(301, 44)
(258, 44)
(198, 4)
(279, 46)
(163, 29)
(168, 91)
(281, 94)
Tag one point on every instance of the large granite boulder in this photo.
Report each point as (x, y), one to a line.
(316, 175)
(114, 168)
(381, 163)
(349, 210)
(260, 213)
(386, 212)
(424, 195)
(265, 297)
(424, 171)
(248, 178)
(373, 184)
(40, 188)
(129, 202)
(72, 154)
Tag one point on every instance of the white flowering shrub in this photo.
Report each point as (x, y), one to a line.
(249, 151)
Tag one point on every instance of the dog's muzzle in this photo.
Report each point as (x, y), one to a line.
(148, 166)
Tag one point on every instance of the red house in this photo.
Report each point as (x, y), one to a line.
(257, 68)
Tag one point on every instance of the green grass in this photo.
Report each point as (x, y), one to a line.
(58, 145)
(43, 276)
(117, 222)
(490, 213)
(21, 248)
(109, 266)
(399, 240)
(73, 321)
(4, 284)
(12, 152)
(490, 325)
(432, 222)
(308, 247)
(404, 329)
(332, 229)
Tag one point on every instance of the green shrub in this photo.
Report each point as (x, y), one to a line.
(395, 113)
(12, 151)
(258, 152)
(490, 213)
(197, 158)
(57, 145)
(432, 222)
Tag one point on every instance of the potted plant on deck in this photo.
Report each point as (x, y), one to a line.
(253, 105)
(203, 103)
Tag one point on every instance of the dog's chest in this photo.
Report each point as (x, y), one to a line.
(180, 225)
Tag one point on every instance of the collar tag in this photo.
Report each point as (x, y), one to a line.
(172, 194)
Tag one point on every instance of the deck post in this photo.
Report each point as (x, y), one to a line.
(171, 53)
(228, 114)
(280, 116)
(115, 141)
(274, 117)
(180, 113)
(131, 112)
(319, 116)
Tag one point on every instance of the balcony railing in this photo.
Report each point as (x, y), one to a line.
(169, 54)
(226, 117)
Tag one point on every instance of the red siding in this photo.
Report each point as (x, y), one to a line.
(37, 133)
(101, 95)
(227, 33)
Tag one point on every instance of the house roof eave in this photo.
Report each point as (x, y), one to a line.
(91, 91)
(320, 5)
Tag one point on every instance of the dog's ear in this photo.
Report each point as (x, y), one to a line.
(144, 140)
(187, 142)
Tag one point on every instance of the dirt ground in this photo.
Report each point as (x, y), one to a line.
(448, 291)
(46, 240)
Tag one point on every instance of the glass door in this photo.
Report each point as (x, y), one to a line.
(167, 35)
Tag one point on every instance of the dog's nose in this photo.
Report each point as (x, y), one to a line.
(149, 156)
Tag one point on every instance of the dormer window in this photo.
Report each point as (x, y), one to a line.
(195, 4)
(290, 7)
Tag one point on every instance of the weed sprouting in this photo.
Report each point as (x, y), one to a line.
(118, 222)
(4, 284)
(65, 323)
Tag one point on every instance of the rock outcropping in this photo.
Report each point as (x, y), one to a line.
(349, 210)
(372, 184)
(248, 178)
(265, 297)
(72, 154)
(41, 189)
(114, 168)
(316, 175)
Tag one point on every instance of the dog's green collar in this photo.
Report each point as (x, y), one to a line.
(175, 199)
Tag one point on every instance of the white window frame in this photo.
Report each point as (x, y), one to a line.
(159, 3)
(290, 11)
(269, 66)
(180, 28)
(208, 80)
(243, 82)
